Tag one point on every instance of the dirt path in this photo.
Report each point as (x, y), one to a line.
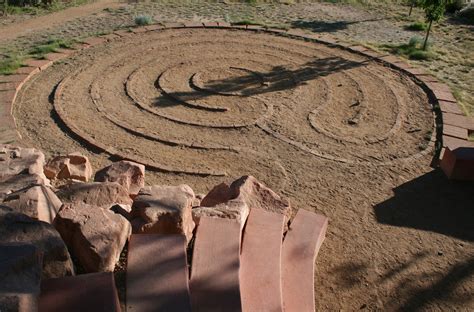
(44, 22)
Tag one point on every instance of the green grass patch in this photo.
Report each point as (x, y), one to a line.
(412, 50)
(142, 20)
(417, 26)
(10, 64)
(49, 46)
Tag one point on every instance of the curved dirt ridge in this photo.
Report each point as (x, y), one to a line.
(187, 101)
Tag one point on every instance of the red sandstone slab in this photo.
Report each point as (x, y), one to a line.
(211, 24)
(452, 143)
(458, 164)
(157, 273)
(27, 70)
(458, 120)
(454, 131)
(92, 41)
(55, 56)
(450, 107)
(444, 95)
(173, 25)
(260, 262)
(224, 24)
(154, 27)
(255, 27)
(41, 64)
(215, 269)
(93, 292)
(416, 71)
(138, 30)
(193, 24)
(80, 46)
(426, 79)
(300, 248)
(439, 86)
(358, 48)
(13, 78)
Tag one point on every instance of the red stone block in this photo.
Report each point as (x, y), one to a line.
(93, 292)
(260, 261)
(224, 24)
(211, 24)
(157, 273)
(255, 27)
(215, 268)
(454, 131)
(443, 95)
(426, 79)
(55, 56)
(389, 59)
(193, 25)
(458, 164)
(41, 64)
(458, 120)
(453, 143)
(154, 27)
(300, 248)
(416, 71)
(173, 25)
(450, 107)
(138, 30)
(92, 41)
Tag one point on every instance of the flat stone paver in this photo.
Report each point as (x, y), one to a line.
(300, 248)
(215, 266)
(157, 273)
(94, 292)
(260, 261)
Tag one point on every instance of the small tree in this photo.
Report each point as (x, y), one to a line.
(434, 10)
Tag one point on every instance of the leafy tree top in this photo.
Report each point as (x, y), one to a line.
(434, 9)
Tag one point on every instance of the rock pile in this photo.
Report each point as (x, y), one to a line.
(42, 228)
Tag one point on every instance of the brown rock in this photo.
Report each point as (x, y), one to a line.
(126, 173)
(37, 202)
(10, 184)
(17, 160)
(20, 276)
(21, 229)
(73, 166)
(219, 194)
(95, 236)
(233, 209)
(164, 210)
(102, 194)
(197, 200)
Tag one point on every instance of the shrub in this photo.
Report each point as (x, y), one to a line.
(420, 55)
(467, 13)
(142, 20)
(417, 26)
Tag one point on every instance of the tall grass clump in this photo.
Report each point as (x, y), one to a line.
(142, 20)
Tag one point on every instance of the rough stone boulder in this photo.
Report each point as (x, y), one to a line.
(95, 236)
(73, 166)
(21, 229)
(250, 191)
(102, 194)
(126, 173)
(164, 210)
(17, 160)
(10, 184)
(233, 209)
(20, 277)
(37, 202)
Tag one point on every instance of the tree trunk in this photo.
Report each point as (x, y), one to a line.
(427, 35)
(411, 8)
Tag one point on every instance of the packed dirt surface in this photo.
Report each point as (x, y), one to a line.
(203, 106)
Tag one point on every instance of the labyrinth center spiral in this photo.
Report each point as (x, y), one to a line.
(213, 102)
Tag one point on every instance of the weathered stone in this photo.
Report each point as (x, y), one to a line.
(20, 276)
(37, 202)
(164, 210)
(123, 210)
(126, 173)
(73, 166)
(95, 236)
(197, 200)
(219, 194)
(233, 209)
(19, 228)
(102, 194)
(16, 160)
(14, 183)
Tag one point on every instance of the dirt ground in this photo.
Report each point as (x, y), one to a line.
(314, 123)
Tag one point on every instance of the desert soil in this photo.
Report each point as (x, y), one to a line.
(314, 123)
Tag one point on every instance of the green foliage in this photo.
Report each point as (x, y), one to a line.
(417, 26)
(9, 64)
(434, 9)
(413, 50)
(454, 6)
(50, 46)
(142, 20)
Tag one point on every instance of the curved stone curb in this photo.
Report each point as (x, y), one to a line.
(453, 127)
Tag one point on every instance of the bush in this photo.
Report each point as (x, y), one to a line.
(420, 55)
(454, 6)
(142, 20)
(467, 13)
(417, 26)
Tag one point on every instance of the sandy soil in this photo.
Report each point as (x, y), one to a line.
(336, 133)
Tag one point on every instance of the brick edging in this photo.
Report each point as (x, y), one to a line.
(453, 127)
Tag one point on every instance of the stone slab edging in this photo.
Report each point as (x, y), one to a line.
(452, 126)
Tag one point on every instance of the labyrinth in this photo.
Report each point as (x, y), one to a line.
(221, 102)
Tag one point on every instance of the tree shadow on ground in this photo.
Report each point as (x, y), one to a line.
(327, 26)
(279, 78)
(432, 203)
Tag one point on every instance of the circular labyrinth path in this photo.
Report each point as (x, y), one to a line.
(213, 102)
